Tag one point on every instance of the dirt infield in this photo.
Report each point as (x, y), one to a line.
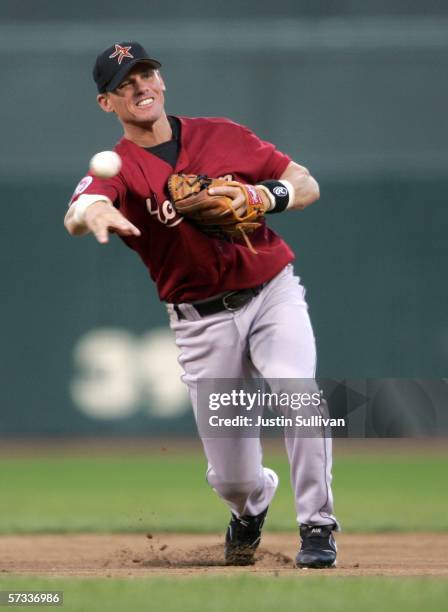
(139, 555)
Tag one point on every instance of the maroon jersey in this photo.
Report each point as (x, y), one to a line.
(186, 264)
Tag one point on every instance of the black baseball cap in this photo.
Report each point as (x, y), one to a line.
(113, 64)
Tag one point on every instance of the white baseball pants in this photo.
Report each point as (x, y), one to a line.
(270, 337)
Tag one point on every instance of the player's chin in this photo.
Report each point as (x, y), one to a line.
(151, 113)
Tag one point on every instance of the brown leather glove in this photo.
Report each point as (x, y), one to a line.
(214, 214)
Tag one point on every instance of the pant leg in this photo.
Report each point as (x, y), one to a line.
(215, 347)
(282, 346)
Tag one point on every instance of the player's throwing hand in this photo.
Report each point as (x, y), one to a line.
(101, 218)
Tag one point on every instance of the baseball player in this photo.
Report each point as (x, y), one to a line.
(233, 300)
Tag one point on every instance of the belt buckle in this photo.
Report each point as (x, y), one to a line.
(224, 301)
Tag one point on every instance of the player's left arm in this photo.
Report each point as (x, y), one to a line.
(305, 187)
(273, 172)
(303, 190)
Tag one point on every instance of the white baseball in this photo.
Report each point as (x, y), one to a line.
(105, 164)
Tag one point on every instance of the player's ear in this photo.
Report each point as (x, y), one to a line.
(161, 81)
(105, 102)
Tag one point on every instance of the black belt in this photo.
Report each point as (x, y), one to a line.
(234, 300)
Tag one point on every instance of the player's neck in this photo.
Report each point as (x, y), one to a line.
(149, 135)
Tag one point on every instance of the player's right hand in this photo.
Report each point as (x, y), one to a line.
(102, 219)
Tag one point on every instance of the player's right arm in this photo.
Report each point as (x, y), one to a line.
(100, 218)
(91, 209)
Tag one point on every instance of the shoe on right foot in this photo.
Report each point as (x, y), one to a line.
(242, 538)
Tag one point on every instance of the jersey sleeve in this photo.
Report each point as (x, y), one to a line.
(265, 161)
(112, 188)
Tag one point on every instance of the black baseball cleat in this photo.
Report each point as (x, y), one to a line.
(318, 548)
(242, 538)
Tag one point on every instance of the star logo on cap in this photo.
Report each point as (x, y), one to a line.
(120, 53)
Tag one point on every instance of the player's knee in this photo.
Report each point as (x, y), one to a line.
(236, 491)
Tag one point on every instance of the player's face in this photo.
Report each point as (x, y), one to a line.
(139, 99)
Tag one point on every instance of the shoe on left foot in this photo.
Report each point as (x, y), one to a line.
(318, 548)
